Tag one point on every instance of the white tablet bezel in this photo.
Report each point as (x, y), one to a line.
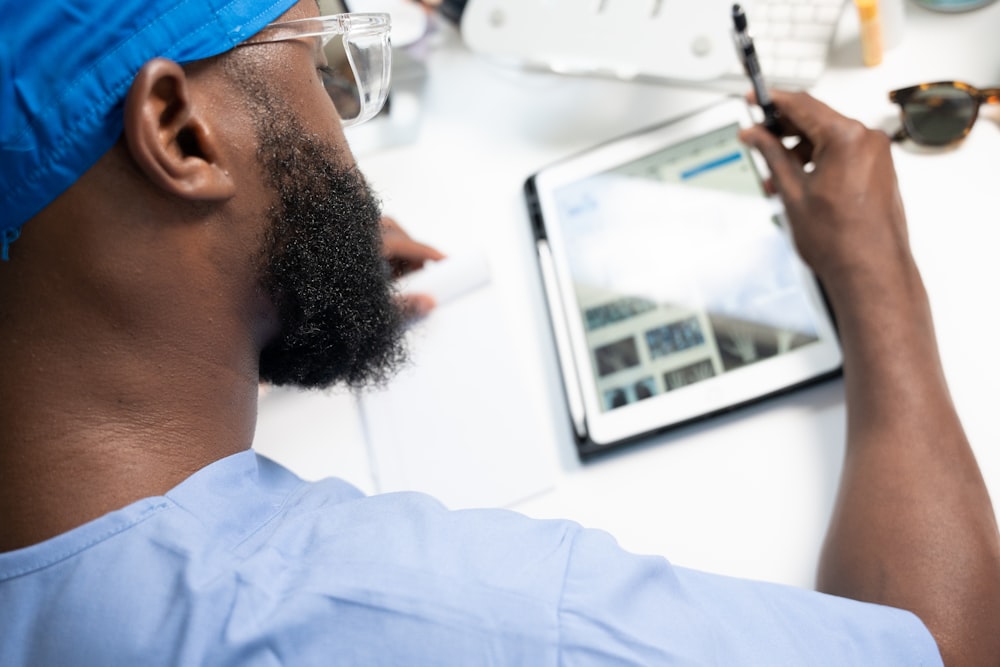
(739, 386)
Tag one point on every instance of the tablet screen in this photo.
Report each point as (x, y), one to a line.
(680, 269)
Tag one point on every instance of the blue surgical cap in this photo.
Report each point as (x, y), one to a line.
(65, 68)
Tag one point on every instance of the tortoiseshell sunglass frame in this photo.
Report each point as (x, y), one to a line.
(978, 96)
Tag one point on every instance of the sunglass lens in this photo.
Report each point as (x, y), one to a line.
(939, 115)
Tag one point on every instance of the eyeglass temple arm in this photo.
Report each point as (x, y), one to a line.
(991, 95)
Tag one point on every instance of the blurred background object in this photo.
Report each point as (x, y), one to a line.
(617, 38)
(399, 121)
(953, 5)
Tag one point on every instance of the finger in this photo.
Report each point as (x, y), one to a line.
(397, 244)
(786, 170)
(416, 305)
(399, 268)
(803, 151)
(403, 253)
(408, 250)
(813, 118)
(785, 127)
(803, 148)
(769, 187)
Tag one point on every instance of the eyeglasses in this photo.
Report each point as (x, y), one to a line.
(356, 72)
(938, 114)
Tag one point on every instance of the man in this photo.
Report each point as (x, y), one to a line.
(187, 230)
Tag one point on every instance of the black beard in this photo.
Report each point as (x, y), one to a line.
(322, 265)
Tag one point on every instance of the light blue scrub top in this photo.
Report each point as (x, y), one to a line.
(246, 564)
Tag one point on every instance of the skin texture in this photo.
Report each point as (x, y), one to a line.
(913, 526)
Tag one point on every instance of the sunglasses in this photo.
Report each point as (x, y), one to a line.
(939, 114)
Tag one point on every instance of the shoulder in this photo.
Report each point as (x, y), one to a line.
(496, 548)
(400, 579)
(647, 610)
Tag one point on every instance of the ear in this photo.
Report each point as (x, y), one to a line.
(168, 137)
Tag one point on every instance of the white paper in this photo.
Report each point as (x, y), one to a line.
(456, 423)
(450, 278)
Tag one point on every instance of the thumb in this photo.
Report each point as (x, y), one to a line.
(786, 169)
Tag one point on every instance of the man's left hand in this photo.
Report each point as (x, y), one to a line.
(405, 255)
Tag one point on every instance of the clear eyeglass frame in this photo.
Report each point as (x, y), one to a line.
(357, 72)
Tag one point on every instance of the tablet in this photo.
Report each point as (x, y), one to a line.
(673, 287)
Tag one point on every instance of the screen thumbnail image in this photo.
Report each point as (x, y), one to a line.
(674, 337)
(741, 342)
(682, 377)
(616, 311)
(630, 393)
(617, 356)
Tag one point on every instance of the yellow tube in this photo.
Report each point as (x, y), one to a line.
(871, 32)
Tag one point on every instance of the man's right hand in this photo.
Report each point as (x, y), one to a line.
(839, 188)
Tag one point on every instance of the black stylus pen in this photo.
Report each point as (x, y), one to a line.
(748, 56)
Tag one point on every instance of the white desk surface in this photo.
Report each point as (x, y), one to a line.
(748, 494)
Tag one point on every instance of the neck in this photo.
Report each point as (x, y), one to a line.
(92, 424)
(131, 324)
